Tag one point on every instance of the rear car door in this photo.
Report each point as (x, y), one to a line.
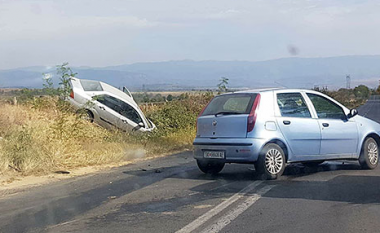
(339, 134)
(300, 130)
(108, 108)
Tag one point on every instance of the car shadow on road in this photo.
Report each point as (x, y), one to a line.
(299, 170)
(247, 172)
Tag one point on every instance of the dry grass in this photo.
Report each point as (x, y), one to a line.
(179, 140)
(37, 139)
(42, 135)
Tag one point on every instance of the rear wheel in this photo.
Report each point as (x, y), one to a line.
(369, 157)
(210, 167)
(271, 162)
(87, 115)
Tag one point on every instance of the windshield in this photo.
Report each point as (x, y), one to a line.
(230, 104)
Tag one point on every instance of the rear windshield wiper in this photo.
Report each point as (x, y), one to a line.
(226, 113)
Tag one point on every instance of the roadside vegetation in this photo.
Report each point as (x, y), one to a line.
(351, 98)
(40, 133)
(43, 134)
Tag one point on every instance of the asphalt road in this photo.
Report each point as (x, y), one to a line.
(171, 195)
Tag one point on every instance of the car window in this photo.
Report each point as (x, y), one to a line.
(120, 107)
(130, 113)
(232, 103)
(292, 105)
(109, 101)
(89, 85)
(325, 108)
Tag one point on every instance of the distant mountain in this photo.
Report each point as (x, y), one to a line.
(288, 72)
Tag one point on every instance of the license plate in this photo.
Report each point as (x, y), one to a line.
(213, 154)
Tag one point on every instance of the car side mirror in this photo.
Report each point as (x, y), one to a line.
(141, 125)
(353, 112)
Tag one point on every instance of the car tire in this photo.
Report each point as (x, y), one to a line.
(312, 164)
(369, 156)
(271, 162)
(210, 167)
(88, 116)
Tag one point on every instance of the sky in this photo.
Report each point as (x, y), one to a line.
(114, 32)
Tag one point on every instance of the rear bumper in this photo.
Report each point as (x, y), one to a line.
(237, 150)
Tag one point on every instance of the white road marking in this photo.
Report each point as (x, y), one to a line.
(231, 215)
(211, 213)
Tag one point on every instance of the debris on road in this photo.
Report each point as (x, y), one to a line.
(62, 172)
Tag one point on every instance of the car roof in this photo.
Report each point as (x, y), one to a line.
(259, 90)
(275, 89)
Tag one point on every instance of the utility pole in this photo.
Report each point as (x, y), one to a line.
(348, 82)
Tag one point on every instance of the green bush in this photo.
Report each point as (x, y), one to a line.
(178, 115)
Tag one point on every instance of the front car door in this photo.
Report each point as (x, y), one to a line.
(300, 129)
(130, 118)
(339, 134)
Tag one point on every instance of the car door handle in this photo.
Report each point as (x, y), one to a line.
(325, 124)
(125, 121)
(286, 122)
(102, 108)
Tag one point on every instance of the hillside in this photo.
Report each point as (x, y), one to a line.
(289, 72)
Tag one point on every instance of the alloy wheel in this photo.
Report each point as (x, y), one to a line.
(373, 153)
(273, 161)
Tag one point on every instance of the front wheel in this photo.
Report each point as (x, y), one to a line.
(369, 156)
(210, 167)
(271, 162)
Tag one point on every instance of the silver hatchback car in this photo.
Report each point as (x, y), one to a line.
(271, 128)
(108, 106)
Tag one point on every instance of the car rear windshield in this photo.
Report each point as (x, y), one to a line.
(230, 104)
(89, 85)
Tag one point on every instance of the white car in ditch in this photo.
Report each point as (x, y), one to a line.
(108, 106)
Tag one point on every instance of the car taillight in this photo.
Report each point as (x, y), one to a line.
(200, 114)
(72, 94)
(203, 109)
(253, 114)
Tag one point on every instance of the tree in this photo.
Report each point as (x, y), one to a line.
(48, 84)
(145, 97)
(169, 97)
(378, 90)
(362, 92)
(222, 85)
(65, 73)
